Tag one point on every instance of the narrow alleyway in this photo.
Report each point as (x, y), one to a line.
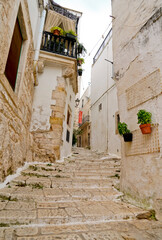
(72, 200)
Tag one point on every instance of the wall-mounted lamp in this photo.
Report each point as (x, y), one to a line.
(77, 102)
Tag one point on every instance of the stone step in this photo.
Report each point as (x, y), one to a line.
(68, 193)
(119, 230)
(66, 212)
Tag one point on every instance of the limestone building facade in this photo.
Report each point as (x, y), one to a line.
(16, 85)
(37, 84)
(137, 48)
(84, 120)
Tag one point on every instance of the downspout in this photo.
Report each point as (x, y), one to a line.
(39, 39)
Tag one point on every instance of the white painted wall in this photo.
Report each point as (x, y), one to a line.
(103, 91)
(35, 15)
(70, 101)
(137, 54)
(99, 131)
(43, 98)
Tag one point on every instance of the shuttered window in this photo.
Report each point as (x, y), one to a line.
(14, 56)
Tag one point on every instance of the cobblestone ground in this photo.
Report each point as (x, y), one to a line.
(72, 200)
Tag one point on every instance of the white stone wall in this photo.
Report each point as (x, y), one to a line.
(137, 51)
(35, 14)
(103, 130)
(47, 82)
(70, 102)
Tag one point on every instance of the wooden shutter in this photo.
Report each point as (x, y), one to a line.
(14, 56)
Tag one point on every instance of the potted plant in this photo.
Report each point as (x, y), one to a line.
(144, 119)
(81, 49)
(80, 70)
(80, 61)
(125, 132)
(71, 34)
(57, 31)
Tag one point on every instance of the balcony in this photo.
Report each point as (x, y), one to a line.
(85, 121)
(59, 44)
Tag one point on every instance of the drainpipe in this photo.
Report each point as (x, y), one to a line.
(39, 39)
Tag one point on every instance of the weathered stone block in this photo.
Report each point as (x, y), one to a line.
(56, 120)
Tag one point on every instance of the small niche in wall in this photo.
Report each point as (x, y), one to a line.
(67, 136)
(100, 107)
(117, 120)
(69, 115)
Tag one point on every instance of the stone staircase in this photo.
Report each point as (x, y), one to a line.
(67, 200)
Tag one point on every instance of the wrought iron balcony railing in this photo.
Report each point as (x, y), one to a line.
(59, 44)
(86, 119)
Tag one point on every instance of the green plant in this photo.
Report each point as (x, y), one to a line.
(5, 198)
(80, 60)
(71, 32)
(59, 29)
(34, 168)
(123, 128)
(47, 169)
(4, 225)
(37, 185)
(144, 117)
(81, 48)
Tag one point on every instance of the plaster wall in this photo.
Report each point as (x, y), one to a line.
(114, 140)
(99, 131)
(43, 98)
(53, 97)
(35, 14)
(103, 124)
(137, 68)
(70, 103)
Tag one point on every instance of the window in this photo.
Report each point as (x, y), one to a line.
(100, 107)
(14, 55)
(69, 117)
(67, 136)
(82, 102)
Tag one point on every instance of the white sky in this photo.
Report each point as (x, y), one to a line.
(93, 24)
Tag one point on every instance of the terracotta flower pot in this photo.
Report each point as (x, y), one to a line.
(79, 62)
(56, 32)
(145, 128)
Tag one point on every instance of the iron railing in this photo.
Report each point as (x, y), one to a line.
(57, 8)
(59, 44)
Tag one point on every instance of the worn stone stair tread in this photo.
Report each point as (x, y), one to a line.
(71, 200)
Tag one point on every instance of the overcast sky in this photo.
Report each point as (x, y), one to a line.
(93, 24)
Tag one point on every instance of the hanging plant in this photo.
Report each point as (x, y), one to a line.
(81, 49)
(80, 61)
(144, 119)
(125, 132)
(80, 71)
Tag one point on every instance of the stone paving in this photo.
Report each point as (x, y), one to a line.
(72, 200)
